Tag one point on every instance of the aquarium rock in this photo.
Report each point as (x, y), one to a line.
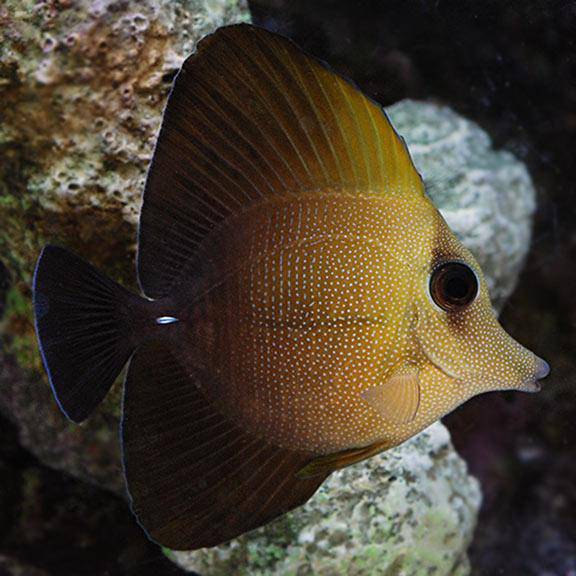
(82, 85)
(409, 511)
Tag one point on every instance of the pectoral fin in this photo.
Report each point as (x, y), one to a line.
(398, 398)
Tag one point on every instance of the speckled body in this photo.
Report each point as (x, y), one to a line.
(316, 299)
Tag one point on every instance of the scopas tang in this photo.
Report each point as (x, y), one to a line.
(306, 306)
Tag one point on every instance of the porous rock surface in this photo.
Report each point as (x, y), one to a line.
(83, 85)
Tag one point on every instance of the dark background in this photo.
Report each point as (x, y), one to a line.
(511, 67)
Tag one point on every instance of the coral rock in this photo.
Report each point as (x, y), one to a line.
(82, 85)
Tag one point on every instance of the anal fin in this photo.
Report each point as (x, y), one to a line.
(195, 478)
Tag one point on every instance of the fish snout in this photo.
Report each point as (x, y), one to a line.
(542, 369)
(532, 384)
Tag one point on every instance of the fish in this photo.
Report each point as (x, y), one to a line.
(304, 305)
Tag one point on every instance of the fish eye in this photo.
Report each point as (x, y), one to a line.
(453, 285)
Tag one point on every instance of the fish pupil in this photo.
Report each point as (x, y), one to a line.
(453, 285)
(457, 288)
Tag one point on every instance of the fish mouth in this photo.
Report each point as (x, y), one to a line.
(533, 384)
(530, 384)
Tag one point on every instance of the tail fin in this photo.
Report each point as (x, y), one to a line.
(84, 325)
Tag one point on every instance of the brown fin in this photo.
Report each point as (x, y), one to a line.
(194, 478)
(325, 465)
(251, 116)
(398, 398)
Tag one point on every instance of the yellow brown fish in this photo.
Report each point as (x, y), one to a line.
(304, 305)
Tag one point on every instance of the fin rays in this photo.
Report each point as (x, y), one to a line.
(195, 482)
(251, 117)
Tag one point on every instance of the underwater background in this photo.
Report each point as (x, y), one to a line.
(510, 67)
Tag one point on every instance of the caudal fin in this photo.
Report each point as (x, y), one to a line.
(84, 325)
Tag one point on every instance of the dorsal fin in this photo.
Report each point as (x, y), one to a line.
(252, 116)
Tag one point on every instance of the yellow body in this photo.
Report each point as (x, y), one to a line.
(326, 296)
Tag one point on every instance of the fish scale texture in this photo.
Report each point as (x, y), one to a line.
(75, 157)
